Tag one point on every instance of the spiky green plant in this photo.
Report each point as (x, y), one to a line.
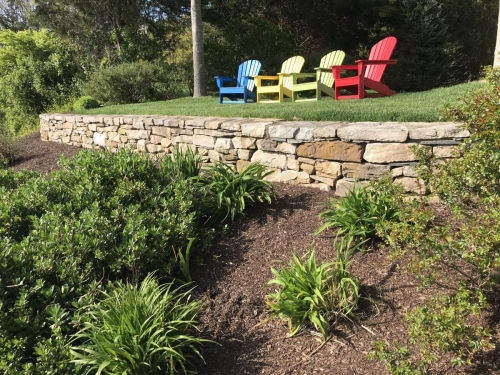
(315, 294)
(182, 164)
(226, 193)
(359, 213)
(139, 330)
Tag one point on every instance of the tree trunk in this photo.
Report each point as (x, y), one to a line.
(496, 61)
(200, 80)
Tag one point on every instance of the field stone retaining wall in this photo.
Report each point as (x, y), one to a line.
(327, 155)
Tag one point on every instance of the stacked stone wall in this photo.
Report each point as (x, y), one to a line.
(327, 155)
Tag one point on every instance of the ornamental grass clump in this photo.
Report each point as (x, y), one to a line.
(182, 164)
(312, 294)
(363, 210)
(139, 330)
(226, 193)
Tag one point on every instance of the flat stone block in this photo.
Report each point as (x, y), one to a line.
(343, 187)
(389, 152)
(373, 132)
(331, 150)
(270, 159)
(364, 171)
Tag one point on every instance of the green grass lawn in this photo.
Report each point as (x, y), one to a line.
(421, 106)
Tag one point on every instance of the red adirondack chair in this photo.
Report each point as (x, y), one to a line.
(369, 75)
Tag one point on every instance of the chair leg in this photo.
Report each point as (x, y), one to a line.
(337, 92)
(220, 98)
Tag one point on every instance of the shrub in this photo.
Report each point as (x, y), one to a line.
(318, 295)
(8, 150)
(475, 176)
(470, 246)
(363, 209)
(139, 330)
(226, 193)
(86, 102)
(39, 71)
(135, 82)
(103, 217)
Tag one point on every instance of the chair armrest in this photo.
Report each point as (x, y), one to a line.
(323, 69)
(344, 67)
(258, 79)
(298, 75)
(376, 62)
(337, 69)
(220, 80)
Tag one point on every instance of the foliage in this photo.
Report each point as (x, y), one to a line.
(470, 245)
(86, 102)
(39, 70)
(420, 27)
(139, 330)
(181, 164)
(103, 217)
(318, 295)
(226, 193)
(441, 325)
(8, 150)
(116, 30)
(475, 176)
(135, 82)
(363, 209)
(397, 359)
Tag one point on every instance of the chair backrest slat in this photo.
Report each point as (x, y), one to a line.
(248, 68)
(333, 58)
(380, 51)
(292, 65)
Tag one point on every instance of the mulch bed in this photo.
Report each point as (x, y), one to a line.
(232, 279)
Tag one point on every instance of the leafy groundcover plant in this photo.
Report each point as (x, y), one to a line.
(139, 330)
(314, 294)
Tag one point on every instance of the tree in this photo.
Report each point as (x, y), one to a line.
(200, 80)
(14, 14)
(496, 60)
(123, 31)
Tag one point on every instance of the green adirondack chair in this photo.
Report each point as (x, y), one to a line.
(322, 84)
(292, 65)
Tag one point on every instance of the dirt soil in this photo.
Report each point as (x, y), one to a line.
(232, 283)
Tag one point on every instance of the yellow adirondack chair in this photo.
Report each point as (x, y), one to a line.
(292, 65)
(322, 84)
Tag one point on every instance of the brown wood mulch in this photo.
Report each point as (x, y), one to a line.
(232, 278)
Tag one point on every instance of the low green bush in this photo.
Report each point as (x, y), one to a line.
(86, 102)
(102, 217)
(135, 82)
(312, 294)
(8, 150)
(139, 330)
(363, 209)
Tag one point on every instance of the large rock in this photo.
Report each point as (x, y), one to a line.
(203, 141)
(291, 177)
(364, 171)
(254, 129)
(389, 152)
(331, 150)
(244, 143)
(435, 130)
(270, 159)
(344, 186)
(286, 148)
(330, 169)
(283, 130)
(373, 132)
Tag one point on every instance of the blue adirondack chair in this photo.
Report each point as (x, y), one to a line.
(243, 84)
